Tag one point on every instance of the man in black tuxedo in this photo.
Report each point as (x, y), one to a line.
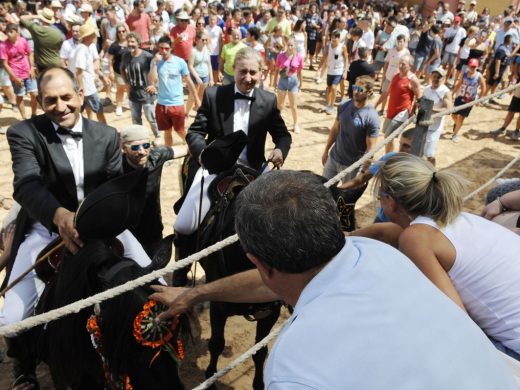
(224, 110)
(233, 107)
(58, 159)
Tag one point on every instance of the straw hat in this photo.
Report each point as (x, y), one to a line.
(86, 8)
(87, 29)
(56, 4)
(47, 15)
(73, 18)
(183, 16)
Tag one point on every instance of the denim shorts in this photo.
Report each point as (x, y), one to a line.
(333, 79)
(5, 81)
(93, 102)
(449, 58)
(419, 61)
(29, 85)
(289, 84)
(205, 80)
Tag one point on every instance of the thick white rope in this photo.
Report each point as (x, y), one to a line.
(12, 329)
(242, 358)
(470, 104)
(490, 181)
(75, 307)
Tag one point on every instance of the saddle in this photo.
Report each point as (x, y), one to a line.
(50, 257)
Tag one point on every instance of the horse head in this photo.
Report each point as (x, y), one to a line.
(118, 347)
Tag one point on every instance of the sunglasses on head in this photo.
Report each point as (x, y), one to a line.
(136, 148)
(359, 89)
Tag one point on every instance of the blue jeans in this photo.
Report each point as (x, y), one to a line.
(149, 112)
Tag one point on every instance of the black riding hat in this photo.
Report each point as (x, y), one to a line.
(113, 207)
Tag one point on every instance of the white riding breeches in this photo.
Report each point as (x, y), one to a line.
(21, 300)
(187, 220)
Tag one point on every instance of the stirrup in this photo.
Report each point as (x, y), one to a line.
(26, 378)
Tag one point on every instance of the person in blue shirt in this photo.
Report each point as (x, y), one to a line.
(165, 79)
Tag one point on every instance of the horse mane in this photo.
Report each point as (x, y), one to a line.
(74, 281)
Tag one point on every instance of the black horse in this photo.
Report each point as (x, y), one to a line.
(219, 224)
(114, 354)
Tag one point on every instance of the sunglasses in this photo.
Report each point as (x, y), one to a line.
(359, 89)
(164, 48)
(200, 24)
(136, 148)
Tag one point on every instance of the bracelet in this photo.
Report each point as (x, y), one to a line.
(502, 207)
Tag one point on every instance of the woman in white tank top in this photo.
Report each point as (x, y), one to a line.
(475, 262)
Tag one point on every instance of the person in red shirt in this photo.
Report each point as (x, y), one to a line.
(183, 36)
(404, 90)
(138, 21)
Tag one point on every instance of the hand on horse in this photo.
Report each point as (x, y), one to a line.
(276, 157)
(178, 300)
(64, 220)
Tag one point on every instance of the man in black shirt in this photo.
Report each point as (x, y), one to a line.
(359, 68)
(137, 153)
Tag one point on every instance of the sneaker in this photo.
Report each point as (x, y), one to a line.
(15, 109)
(297, 129)
(318, 80)
(119, 111)
(329, 110)
(498, 131)
(515, 135)
(107, 102)
(455, 138)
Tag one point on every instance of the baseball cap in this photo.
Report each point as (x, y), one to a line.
(473, 62)
(509, 19)
(134, 133)
(473, 2)
(440, 71)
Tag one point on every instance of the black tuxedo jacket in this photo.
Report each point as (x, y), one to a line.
(43, 178)
(215, 119)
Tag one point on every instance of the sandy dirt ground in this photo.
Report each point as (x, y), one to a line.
(478, 157)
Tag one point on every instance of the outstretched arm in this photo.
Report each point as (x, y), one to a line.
(245, 287)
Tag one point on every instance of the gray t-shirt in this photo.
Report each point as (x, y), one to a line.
(137, 69)
(355, 126)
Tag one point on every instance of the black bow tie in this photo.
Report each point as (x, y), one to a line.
(240, 96)
(74, 134)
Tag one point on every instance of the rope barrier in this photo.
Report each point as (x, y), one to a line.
(9, 330)
(490, 181)
(467, 105)
(242, 358)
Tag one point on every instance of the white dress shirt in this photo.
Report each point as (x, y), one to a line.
(74, 151)
(241, 121)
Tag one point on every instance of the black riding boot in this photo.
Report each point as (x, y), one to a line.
(185, 245)
(22, 350)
